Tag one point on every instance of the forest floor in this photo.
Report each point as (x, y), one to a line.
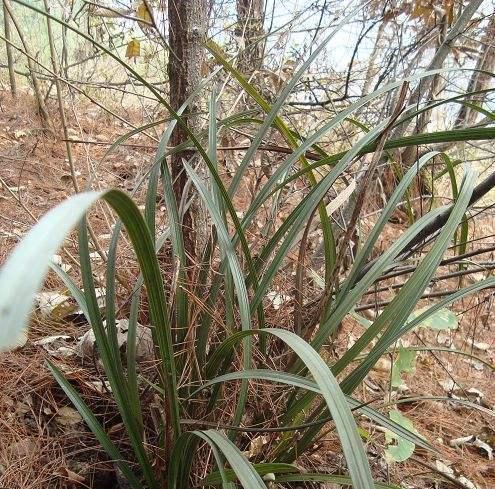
(44, 444)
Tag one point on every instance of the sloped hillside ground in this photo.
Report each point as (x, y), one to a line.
(43, 440)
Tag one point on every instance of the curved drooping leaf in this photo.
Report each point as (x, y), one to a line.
(337, 404)
(307, 384)
(221, 446)
(95, 427)
(23, 273)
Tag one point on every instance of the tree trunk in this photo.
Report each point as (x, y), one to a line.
(250, 16)
(479, 81)
(187, 31)
(372, 70)
(425, 90)
(10, 56)
(42, 110)
(424, 87)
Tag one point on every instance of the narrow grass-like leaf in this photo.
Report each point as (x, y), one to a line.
(237, 277)
(273, 118)
(374, 235)
(454, 135)
(177, 234)
(31, 258)
(397, 312)
(266, 190)
(347, 302)
(344, 422)
(445, 349)
(221, 447)
(180, 466)
(307, 384)
(218, 200)
(245, 472)
(108, 349)
(386, 341)
(73, 288)
(95, 427)
(336, 402)
(292, 226)
(182, 123)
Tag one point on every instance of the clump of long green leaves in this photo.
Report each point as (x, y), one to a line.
(240, 283)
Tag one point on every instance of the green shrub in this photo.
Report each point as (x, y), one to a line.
(240, 283)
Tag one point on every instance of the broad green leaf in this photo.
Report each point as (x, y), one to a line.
(443, 319)
(399, 449)
(403, 364)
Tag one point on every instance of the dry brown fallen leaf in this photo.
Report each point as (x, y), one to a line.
(68, 416)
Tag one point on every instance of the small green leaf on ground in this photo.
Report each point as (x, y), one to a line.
(403, 364)
(443, 319)
(399, 449)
